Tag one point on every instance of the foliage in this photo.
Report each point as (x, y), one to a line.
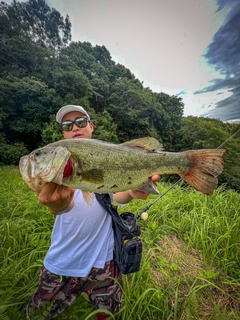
(51, 132)
(30, 105)
(35, 20)
(10, 154)
(204, 133)
(200, 133)
(105, 130)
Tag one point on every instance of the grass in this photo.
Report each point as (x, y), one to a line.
(190, 266)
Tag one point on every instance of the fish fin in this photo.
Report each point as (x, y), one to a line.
(206, 166)
(93, 176)
(147, 143)
(149, 187)
(88, 197)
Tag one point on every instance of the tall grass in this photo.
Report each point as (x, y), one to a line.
(190, 266)
(210, 224)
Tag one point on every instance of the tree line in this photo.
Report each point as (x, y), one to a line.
(42, 69)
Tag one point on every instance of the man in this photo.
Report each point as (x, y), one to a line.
(80, 258)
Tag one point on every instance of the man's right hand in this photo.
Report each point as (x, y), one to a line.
(57, 198)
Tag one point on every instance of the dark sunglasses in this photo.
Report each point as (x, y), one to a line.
(79, 122)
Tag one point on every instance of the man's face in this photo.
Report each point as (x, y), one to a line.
(77, 132)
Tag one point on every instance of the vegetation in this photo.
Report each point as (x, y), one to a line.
(190, 267)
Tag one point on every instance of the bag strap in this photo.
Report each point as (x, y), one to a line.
(105, 201)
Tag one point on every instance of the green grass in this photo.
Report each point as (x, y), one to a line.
(190, 266)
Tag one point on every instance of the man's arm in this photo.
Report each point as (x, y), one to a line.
(126, 196)
(59, 199)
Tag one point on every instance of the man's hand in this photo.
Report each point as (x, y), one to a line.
(58, 199)
(127, 196)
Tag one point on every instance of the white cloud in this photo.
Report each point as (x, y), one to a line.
(201, 104)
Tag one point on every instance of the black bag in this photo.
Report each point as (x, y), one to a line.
(128, 245)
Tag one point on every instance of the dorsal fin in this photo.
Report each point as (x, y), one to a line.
(147, 143)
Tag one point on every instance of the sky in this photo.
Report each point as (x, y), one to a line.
(187, 48)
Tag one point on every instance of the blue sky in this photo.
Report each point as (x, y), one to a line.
(188, 48)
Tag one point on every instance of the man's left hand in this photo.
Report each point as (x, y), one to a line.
(127, 196)
(137, 194)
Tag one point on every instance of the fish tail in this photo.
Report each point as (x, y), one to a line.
(205, 166)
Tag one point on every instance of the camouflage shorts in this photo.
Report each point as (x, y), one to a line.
(103, 287)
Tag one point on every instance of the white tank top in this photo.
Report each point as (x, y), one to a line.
(81, 239)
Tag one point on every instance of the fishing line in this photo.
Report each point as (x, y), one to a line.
(228, 139)
(163, 194)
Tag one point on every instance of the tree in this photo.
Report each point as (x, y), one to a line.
(102, 55)
(11, 153)
(105, 129)
(22, 57)
(171, 116)
(28, 104)
(204, 133)
(70, 81)
(51, 132)
(27, 29)
(81, 55)
(200, 133)
(118, 72)
(35, 20)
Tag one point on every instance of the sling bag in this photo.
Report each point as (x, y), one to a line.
(128, 245)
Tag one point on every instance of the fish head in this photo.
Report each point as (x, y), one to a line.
(44, 165)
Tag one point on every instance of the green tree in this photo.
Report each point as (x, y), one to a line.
(171, 113)
(139, 112)
(11, 153)
(34, 19)
(104, 128)
(102, 55)
(71, 81)
(200, 133)
(29, 107)
(204, 133)
(81, 55)
(118, 72)
(22, 57)
(51, 132)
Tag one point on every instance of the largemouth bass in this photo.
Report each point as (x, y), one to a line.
(101, 167)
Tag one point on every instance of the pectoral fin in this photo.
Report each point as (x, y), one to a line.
(93, 176)
(149, 187)
(88, 197)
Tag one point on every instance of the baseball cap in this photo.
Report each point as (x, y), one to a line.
(69, 108)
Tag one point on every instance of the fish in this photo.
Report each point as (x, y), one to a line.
(95, 166)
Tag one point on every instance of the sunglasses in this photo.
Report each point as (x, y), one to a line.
(79, 122)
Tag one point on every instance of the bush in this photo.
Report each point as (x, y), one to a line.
(10, 154)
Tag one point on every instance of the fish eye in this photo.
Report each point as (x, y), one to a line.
(38, 152)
